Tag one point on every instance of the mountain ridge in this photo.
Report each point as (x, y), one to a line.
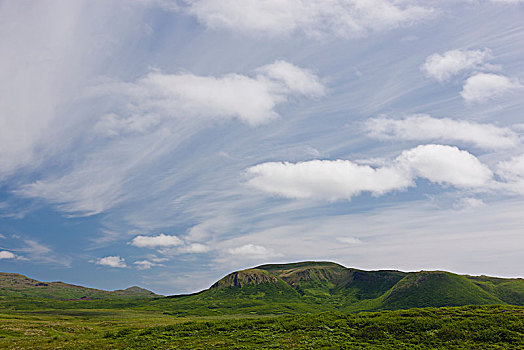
(300, 287)
(312, 286)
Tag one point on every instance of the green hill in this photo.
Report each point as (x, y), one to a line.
(13, 285)
(435, 288)
(325, 286)
(509, 290)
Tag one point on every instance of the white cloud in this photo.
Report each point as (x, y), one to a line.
(186, 248)
(349, 240)
(425, 127)
(343, 179)
(484, 86)
(194, 248)
(509, 1)
(442, 67)
(512, 169)
(294, 79)
(325, 179)
(251, 99)
(512, 172)
(169, 245)
(469, 203)
(49, 52)
(341, 18)
(446, 165)
(112, 261)
(252, 251)
(145, 264)
(4, 254)
(161, 240)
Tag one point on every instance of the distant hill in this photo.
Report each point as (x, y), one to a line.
(308, 287)
(19, 286)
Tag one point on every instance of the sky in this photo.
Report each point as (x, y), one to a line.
(167, 143)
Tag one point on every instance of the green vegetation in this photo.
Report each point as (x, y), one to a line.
(467, 327)
(309, 287)
(13, 285)
(436, 288)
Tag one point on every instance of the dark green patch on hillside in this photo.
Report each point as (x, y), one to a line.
(435, 288)
(509, 290)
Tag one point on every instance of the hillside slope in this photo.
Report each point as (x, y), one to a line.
(13, 285)
(435, 288)
(325, 286)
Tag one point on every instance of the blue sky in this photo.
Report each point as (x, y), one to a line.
(167, 143)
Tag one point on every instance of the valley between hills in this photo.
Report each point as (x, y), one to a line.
(263, 297)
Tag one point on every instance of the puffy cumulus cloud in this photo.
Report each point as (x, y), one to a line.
(484, 86)
(112, 261)
(446, 165)
(341, 18)
(325, 179)
(425, 127)
(159, 241)
(443, 67)
(252, 251)
(343, 179)
(4, 254)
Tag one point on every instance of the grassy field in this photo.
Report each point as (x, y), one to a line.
(467, 327)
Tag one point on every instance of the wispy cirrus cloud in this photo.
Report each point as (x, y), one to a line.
(155, 115)
(426, 128)
(38, 252)
(170, 245)
(249, 98)
(512, 172)
(339, 18)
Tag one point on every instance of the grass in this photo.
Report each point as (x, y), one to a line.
(467, 327)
